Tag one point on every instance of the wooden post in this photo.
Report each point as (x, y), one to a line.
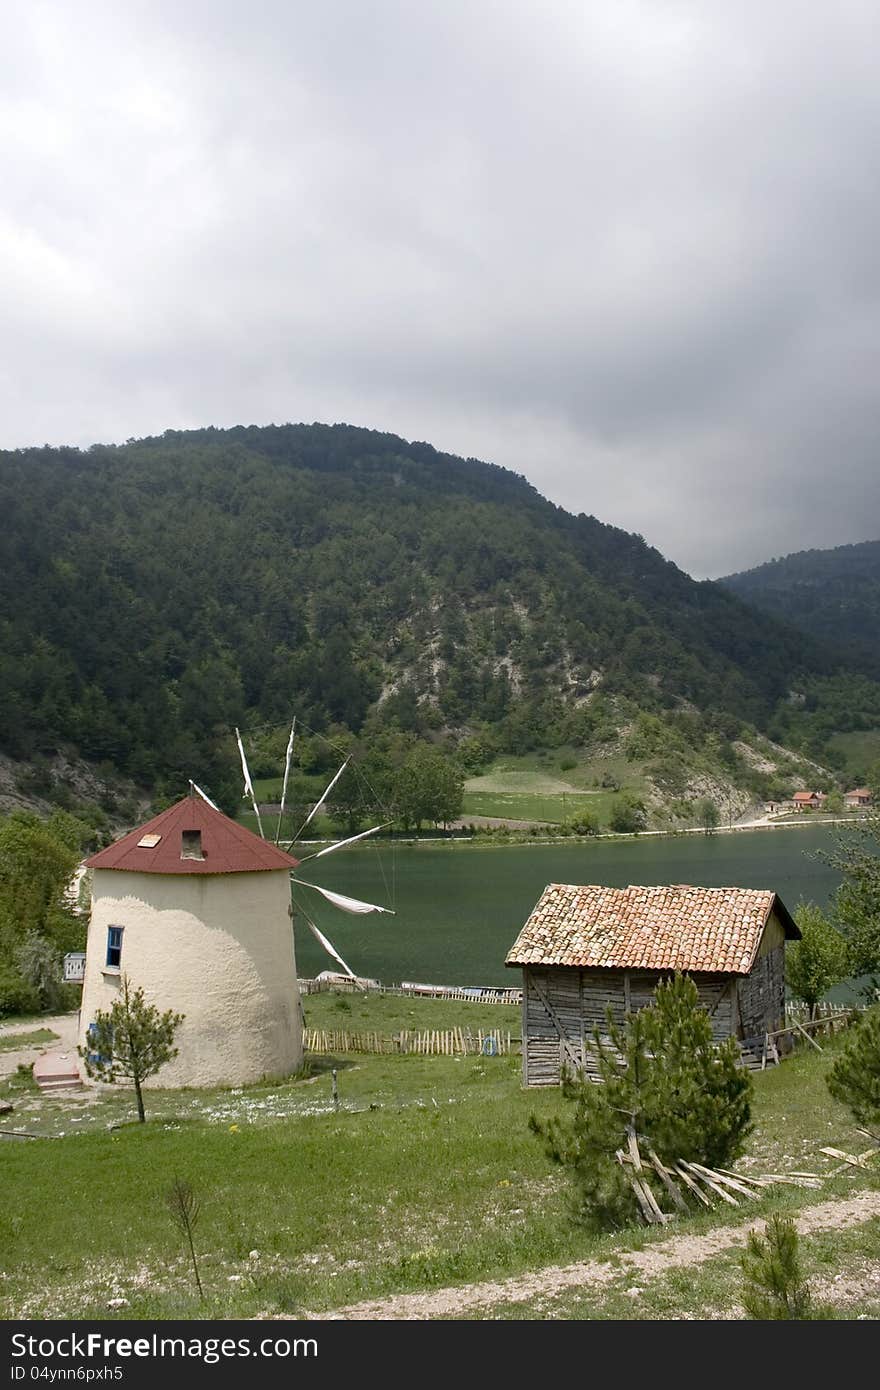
(335, 1089)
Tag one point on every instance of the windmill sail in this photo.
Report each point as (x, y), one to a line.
(287, 757)
(342, 901)
(318, 804)
(248, 784)
(204, 795)
(340, 844)
(329, 948)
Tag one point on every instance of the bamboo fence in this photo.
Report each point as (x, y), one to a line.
(433, 1042)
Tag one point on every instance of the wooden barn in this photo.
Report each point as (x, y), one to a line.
(586, 949)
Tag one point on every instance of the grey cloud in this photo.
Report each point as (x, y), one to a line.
(628, 250)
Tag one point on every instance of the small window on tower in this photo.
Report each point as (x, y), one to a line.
(191, 844)
(114, 948)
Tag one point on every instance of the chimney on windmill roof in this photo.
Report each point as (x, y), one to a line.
(191, 844)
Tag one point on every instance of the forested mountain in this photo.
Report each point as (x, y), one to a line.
(157, 593)
(832, 594)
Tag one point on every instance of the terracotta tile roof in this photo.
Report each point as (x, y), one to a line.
(713, 930)
(228, 848)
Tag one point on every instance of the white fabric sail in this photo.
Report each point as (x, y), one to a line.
(204, 795)
(248, 784)
(340, 844)
(330, 948)
(287, 757)
(318, 804)
(344, 903)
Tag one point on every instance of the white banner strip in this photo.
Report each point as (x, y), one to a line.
(330, 948)
(340, 844)
(340, 900)
(196, 788)
(287, 757)
(248, 784)
(318, 804)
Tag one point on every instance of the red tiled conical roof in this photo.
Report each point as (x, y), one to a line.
(226, 847)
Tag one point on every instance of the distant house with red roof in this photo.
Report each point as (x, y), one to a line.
(586, 949)
(196, 910)
(808, 801)
(859, 796)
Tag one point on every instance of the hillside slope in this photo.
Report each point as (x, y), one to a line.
(834, 595)
(159, 592)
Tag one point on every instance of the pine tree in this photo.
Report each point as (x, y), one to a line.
(663, 1079)
(773, 1285)
(855, 1077)
(130, 1041)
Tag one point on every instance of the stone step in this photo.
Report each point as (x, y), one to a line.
(57, 1071)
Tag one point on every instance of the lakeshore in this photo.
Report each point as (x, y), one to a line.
(457, 911)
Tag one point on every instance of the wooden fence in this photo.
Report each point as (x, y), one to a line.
(434, 1042)
(840, 1014)
(469, 994)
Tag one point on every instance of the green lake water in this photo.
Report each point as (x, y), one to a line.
(460, 907)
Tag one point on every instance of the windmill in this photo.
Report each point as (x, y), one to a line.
(342, 901)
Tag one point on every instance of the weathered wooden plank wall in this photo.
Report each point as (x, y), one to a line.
(761, 995)
(579, 1001)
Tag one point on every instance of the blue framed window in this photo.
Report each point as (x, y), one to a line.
(91, 1035)
(114, 947)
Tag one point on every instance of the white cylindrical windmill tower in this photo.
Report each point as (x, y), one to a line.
(195, 909)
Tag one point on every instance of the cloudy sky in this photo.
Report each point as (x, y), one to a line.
(631, 250)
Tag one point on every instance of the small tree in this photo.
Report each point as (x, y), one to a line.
(39, 964)
(818, 961)
(855, 1077)
(856, 857)
(773, 1285)
(131, 1041)
(665, 1080)
(183, 1204)
(708, 815)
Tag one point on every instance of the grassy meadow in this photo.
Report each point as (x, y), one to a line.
(553, 787)
(426, 1176)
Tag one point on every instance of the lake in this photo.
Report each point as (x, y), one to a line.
(459, 907)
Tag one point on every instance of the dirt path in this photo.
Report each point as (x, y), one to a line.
(65, 1025)
(649, 1263)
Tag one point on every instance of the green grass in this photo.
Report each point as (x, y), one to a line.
(426, 1176)
(387, 1013)
(37, 1037)
(837, 1265)
(546, 788)
(528, 807)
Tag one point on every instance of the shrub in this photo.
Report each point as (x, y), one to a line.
(584, 823)
(39, 965)
(628, 815)
(17, 996)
